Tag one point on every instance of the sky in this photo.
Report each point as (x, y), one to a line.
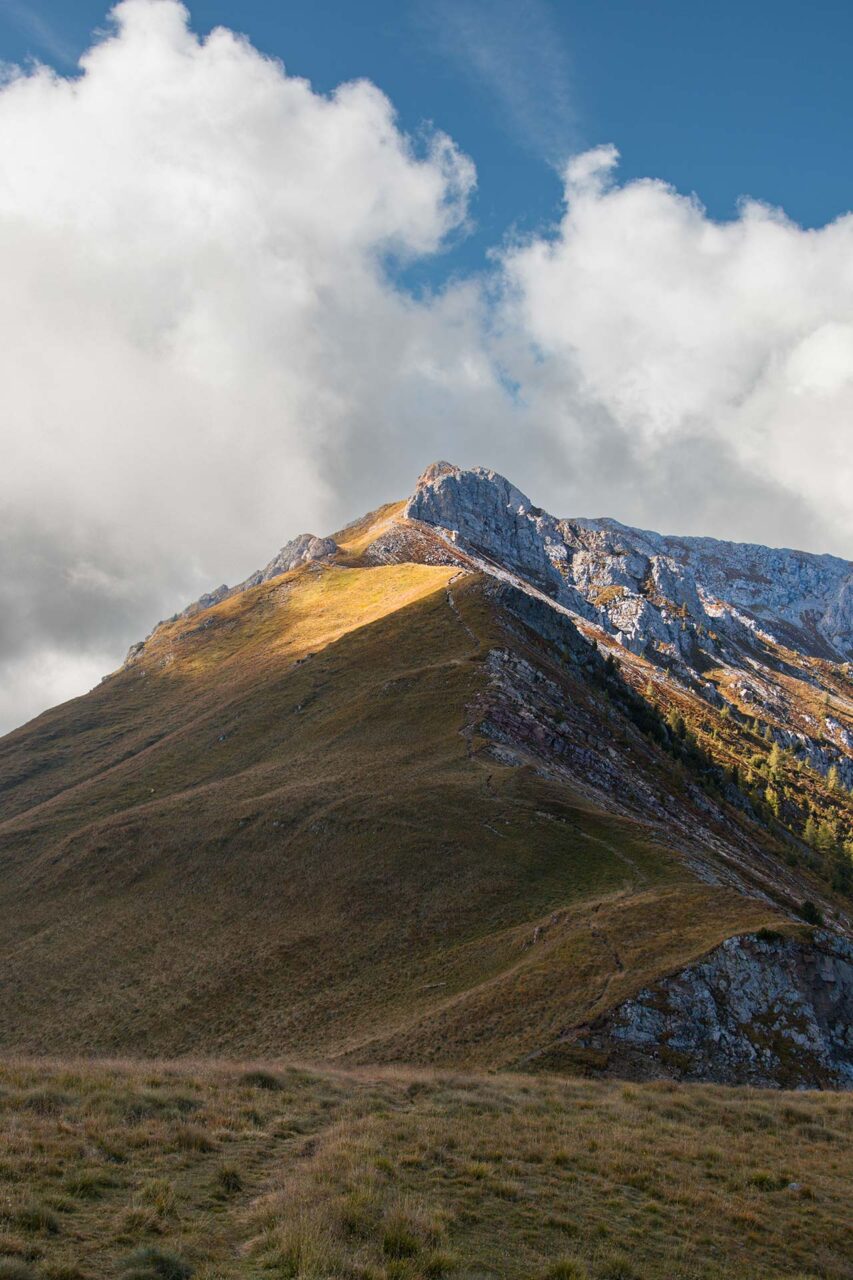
(263, 263)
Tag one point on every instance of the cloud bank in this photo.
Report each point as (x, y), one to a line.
(203, 349)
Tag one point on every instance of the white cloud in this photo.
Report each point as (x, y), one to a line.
(671, 335)
(195, 320)
(202, 352)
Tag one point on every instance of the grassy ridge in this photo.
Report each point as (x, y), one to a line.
(270, 835)
(163, 1168)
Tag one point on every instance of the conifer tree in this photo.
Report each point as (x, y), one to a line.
(827, 836)
(676, 723)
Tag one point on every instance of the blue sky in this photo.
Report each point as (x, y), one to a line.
(723, 100)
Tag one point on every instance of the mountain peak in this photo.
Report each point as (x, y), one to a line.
(797, 598)
(434, 747)
(434, 471)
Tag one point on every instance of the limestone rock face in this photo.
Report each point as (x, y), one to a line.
(688, 605)
(763, 1010)
(800, 599)
(490, 515)
(484, 512)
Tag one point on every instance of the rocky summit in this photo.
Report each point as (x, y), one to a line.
(728, 620)
(463, 784)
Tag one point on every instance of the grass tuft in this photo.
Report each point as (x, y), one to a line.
(35, 1217)
(565, 1269)
(14, 1269)
(262, 1080)
(229, 1180)
(151, 1263)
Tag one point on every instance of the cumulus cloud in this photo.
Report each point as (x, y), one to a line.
(714, 359)
(198, 341)
(203, 350)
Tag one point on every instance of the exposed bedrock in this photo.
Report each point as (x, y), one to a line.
(766, 1010)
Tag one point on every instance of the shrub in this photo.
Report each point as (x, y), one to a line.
(810, 913)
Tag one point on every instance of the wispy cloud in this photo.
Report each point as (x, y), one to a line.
(31, 24)
(517, 54)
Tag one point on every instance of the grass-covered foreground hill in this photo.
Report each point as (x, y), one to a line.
(162, 1171)
(389, 801)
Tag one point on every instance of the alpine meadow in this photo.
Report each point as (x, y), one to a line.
(467, 892)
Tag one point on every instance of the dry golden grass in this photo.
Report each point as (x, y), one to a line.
(269, 835)
(166, 1169)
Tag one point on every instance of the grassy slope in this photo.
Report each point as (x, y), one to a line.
(317, 1174)
(270, 836)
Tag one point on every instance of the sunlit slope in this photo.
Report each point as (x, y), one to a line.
(278, 830)
(196, 666)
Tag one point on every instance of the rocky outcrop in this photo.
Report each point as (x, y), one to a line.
(487, 515)
(766, 1009)
(797, 597)
(691, 606)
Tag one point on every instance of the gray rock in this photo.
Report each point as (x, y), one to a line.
(686, 604)
(792, 595)
(772, 1011)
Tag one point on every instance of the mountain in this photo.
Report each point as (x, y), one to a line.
(463, 784)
